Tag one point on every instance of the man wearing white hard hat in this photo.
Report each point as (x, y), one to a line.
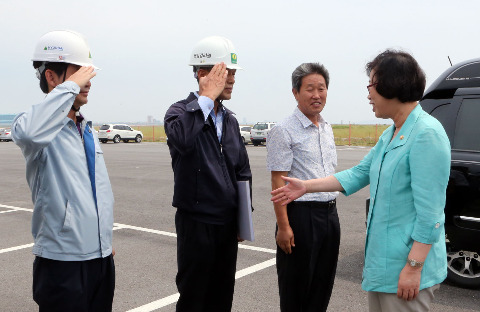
(208, 158)
(72, 218)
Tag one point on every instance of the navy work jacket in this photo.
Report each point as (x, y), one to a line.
(205, 170)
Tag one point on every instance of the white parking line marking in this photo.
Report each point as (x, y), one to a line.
(16, 208)
(155, 305)
(257, 248)
(255, 268)
(152, 306)
(15, 248)
(10, 149)
(119, 226)
(137, 228)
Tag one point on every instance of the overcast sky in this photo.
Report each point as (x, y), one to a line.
(143, 48)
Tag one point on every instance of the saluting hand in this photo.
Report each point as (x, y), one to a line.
(82, 76)
(213, 84)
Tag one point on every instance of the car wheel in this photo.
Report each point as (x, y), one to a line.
(138, 138)
(244, 142)
(116, 139)
(125, 141)
(103, 141)
(464, 268)
(255, 143)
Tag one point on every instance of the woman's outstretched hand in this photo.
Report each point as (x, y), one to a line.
(288, 193)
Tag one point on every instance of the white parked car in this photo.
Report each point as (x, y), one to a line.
(117, 133)
(260, 132)
(245, 132)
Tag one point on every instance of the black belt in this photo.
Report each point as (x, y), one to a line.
(315, 204)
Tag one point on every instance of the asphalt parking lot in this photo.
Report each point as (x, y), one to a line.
(144, 237)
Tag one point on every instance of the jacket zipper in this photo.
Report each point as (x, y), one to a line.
(220, 146)
(214, 130)
(82, 129)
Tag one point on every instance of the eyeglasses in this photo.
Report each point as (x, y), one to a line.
(371, 85)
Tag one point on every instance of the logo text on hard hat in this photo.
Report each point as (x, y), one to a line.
(53, 48)
(234, 58)
(202, 55)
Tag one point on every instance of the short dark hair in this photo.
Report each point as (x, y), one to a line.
(197, 68)
(58, 68)
(397, 75)
(306, 69)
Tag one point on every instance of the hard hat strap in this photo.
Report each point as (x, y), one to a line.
(65, 74)
(195, 71)
(40, 70)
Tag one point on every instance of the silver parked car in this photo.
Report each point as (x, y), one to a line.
(5, 135)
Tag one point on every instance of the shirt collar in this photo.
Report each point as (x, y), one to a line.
(307, 122)
(220, 105)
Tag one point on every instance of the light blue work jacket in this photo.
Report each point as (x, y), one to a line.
(67, 223)
(408, 177)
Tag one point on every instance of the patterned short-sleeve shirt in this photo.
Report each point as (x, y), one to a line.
(304, 150)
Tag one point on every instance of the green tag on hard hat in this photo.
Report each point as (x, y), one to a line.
(234, 58)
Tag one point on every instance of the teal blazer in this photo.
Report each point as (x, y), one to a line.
(408, 177)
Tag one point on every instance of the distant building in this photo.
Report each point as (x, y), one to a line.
(6, 119)
(149, 119)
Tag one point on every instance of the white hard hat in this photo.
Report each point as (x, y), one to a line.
(212, 50)
(63, 46)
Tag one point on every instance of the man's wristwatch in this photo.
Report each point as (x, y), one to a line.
(414, 263)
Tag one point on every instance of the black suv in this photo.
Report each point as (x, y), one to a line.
(454, 99)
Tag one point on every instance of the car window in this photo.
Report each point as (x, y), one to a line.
(262, 126)
(443, 114)
(128, 128)
(467, 131)
(117, 127)
(247, 129)
(105, 127)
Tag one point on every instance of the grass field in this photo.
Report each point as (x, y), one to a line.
(152, 133)
(356, 135)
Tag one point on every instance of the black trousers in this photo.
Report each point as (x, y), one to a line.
(306, 276)
(206, 259)
(74, 286)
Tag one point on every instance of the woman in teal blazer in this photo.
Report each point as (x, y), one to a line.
(408, 171)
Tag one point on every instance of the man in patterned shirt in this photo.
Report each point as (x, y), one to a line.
(308, 229)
